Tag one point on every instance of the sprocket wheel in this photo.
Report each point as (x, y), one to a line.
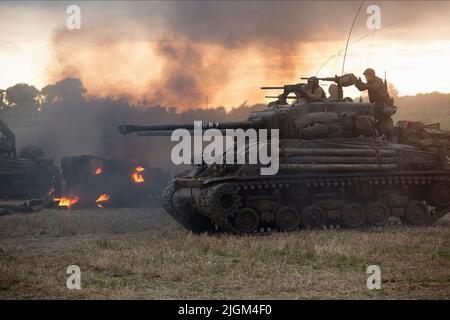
(223, 199)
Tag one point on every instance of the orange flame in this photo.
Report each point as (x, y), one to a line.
(99, 170)
(67, 202)
(102, 198)
(137, 177)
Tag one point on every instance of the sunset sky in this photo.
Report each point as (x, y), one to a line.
(177, 53)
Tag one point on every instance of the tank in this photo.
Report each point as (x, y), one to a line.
(27, 175)
(335, 169)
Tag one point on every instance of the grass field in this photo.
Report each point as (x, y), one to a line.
(143, 253)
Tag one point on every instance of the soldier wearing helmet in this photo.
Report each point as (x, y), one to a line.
(313, 91)
(378, 95)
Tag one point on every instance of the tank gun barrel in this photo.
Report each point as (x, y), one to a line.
(166, 129)
(276, 97)
(271, 88)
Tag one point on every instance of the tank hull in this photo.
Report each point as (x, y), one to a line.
(320, 183)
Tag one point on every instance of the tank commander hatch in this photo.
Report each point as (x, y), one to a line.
(378, 95)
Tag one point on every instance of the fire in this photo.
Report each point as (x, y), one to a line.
(99, 170)
(67, 202)
(102, 198)
(137, 177)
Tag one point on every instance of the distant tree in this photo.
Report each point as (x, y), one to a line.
(63, 90)
(22, 95)
(20, 101)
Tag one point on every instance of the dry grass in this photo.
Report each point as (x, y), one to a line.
(142, 253)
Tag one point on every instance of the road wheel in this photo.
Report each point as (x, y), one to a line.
(352, 216)
(439, 195)
(416, 213)
(377, 214)
(287, 219)
(246, 221)
(314, 217)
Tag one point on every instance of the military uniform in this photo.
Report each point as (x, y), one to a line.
(312, 91)
(333, 90)
(316, 94)
(379, 95)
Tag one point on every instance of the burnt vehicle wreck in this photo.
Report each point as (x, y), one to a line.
(95, 181)
(27, 174)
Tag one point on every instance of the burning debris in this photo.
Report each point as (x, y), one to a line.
(96, 181)
(137, 175)
(66, 201)
(102, 199)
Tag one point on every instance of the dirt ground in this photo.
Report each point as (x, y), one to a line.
(143, 253)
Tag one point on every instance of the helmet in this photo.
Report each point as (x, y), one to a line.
(313, 81)
(369, 71)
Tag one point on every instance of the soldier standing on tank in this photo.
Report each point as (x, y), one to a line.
(378, 95)
(313, 92)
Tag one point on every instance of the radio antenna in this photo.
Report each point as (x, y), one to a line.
(349, 35)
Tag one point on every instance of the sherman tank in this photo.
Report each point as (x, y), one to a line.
(26, 175)
(335, 168)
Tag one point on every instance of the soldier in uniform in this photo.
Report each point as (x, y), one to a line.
(333, 90)
(378, 95)
(313, 92)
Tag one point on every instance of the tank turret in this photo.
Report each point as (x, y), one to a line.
(299, 121)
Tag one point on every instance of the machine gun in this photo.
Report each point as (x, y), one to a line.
(298, 89)
(342, 81)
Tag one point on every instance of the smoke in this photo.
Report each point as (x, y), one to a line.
(193, 52)
(68, 124)
(162, 62)
(184, 53)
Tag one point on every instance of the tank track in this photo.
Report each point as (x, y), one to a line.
(348, 192)
(167, 204)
